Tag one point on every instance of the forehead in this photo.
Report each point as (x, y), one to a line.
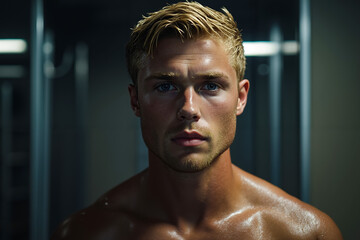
(189, 56)
(172, 46)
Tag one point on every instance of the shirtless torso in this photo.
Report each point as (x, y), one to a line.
(259, 211)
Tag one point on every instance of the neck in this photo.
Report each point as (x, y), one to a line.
(193, 197)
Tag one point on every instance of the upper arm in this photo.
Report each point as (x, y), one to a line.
(61, 232)
(85, 224)
(328, 229)
(92, 223)
(72, 228)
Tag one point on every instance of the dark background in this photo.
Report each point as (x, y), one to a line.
(99, 145)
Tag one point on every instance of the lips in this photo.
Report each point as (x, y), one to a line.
(189, 139)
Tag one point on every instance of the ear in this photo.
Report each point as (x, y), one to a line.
(134, 101)
(244, 86)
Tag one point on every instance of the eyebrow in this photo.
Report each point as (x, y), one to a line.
(211, 75)
(163, 76)
(174, 76)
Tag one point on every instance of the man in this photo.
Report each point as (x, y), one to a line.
(187, 65)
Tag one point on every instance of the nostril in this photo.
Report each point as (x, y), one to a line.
(183, 114)
(196, 117)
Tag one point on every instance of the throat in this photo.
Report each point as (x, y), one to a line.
(192, 197)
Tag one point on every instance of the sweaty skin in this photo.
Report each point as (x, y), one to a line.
(187, 98)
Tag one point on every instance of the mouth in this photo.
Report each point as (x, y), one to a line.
(189, 139)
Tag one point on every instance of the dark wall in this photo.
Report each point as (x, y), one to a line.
(335, 141)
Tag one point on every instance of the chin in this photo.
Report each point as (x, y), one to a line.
(189, 165)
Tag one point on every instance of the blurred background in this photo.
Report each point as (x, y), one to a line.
(68, 133)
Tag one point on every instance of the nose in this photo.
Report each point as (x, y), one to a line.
(189, 110)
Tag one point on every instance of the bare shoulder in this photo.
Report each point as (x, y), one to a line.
(90, 223)
(287, 216)
(108, 218)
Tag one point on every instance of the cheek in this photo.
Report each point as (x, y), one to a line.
(224, 106)
(154, 107)
(155, 116)
(224, 113)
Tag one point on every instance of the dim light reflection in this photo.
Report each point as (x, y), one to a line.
(12, 46)
(268, 48)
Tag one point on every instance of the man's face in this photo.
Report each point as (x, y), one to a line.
(188, 98)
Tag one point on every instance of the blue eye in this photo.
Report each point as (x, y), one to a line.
(211, 87)
(165, 87)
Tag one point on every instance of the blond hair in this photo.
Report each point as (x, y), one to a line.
(186, 20)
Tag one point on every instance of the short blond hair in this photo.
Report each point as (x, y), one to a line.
(186, 20)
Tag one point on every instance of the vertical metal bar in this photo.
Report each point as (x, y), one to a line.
(305, 97)
(81, 88)
(275, 106)
(48, 70)
(6, 146)
(39, 161)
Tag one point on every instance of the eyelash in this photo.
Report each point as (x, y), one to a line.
(213, 84)
(159, 86)
(172, 87)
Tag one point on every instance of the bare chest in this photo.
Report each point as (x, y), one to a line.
(256, 226)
